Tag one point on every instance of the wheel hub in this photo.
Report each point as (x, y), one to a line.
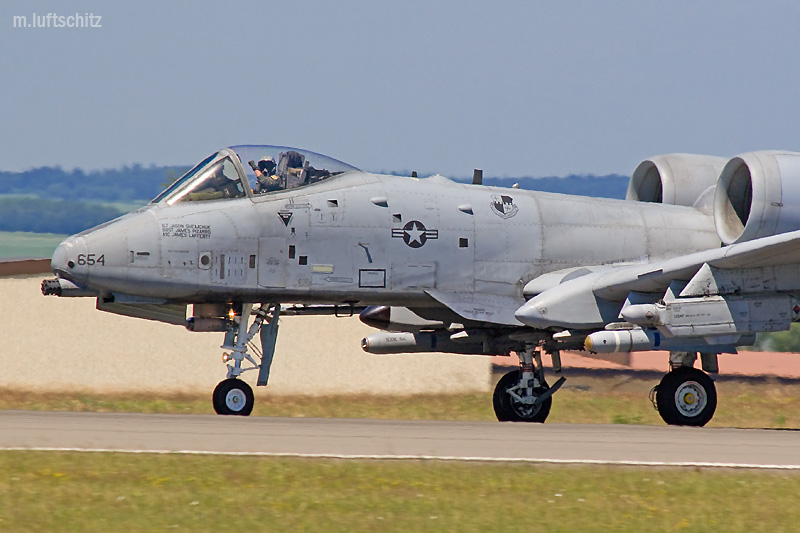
(690, 398)
(235, 400)
(527, 408)
(523, 410)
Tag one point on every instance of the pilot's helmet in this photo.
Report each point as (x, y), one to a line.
(267, 166)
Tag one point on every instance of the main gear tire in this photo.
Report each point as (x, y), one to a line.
(509, 409)
(686, 397)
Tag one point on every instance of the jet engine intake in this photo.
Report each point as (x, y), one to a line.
(758, 195)
(675, 179)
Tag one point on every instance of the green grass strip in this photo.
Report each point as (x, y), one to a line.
(43, 491)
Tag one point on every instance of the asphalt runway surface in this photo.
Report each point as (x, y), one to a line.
(391, 439)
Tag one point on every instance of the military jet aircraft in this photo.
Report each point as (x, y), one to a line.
(701, 255)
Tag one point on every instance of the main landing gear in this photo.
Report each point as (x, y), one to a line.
(523, 395)
(686, 396)
(233, 396)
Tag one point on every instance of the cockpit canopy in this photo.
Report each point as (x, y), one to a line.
(251, 170)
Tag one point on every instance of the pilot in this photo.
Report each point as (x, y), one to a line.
(266, 177)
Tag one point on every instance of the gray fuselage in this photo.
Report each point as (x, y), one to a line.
(371, 239)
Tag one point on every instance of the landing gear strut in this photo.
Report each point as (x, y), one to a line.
(232, 396)
(686, 396)
(523, 395)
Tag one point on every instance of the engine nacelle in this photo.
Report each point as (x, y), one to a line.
(758, 195)
(675, 179)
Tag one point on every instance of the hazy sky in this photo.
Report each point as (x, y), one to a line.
(517, 88)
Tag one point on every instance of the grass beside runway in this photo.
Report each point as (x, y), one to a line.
(50, 491)
(587, 400)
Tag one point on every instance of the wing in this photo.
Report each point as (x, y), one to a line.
(744, 273)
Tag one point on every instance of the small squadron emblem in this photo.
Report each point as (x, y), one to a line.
(503, 206)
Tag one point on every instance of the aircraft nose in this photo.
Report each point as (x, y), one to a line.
(64, 262)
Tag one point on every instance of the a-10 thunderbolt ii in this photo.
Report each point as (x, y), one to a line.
(701, 255)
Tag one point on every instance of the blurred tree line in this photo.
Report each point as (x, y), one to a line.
(53, 200)
(40, 215)
(781, 341)
(127, 184)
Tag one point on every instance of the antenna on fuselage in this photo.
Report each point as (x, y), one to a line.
(477, 177)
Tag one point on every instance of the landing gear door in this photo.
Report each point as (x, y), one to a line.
(272, 262)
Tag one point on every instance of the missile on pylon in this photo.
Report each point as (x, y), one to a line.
(641, 340)
(392, 343)
(642, 314)
(626, 340)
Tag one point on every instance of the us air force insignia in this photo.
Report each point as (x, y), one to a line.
(414, 234)
(286, 216)
(503, 206)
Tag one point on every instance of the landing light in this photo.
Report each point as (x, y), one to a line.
(226, 357)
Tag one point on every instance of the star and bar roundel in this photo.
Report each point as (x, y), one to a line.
(415, 234)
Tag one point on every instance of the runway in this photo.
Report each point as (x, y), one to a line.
(390, 439)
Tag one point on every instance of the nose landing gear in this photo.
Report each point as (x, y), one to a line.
(232, 396)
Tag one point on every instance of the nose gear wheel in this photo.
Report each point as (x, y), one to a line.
(233, 397)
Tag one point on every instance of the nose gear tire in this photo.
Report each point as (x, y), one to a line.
(233, 397)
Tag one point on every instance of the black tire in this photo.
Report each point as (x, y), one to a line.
(233, 397)
(686, 397)
(507, 409)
